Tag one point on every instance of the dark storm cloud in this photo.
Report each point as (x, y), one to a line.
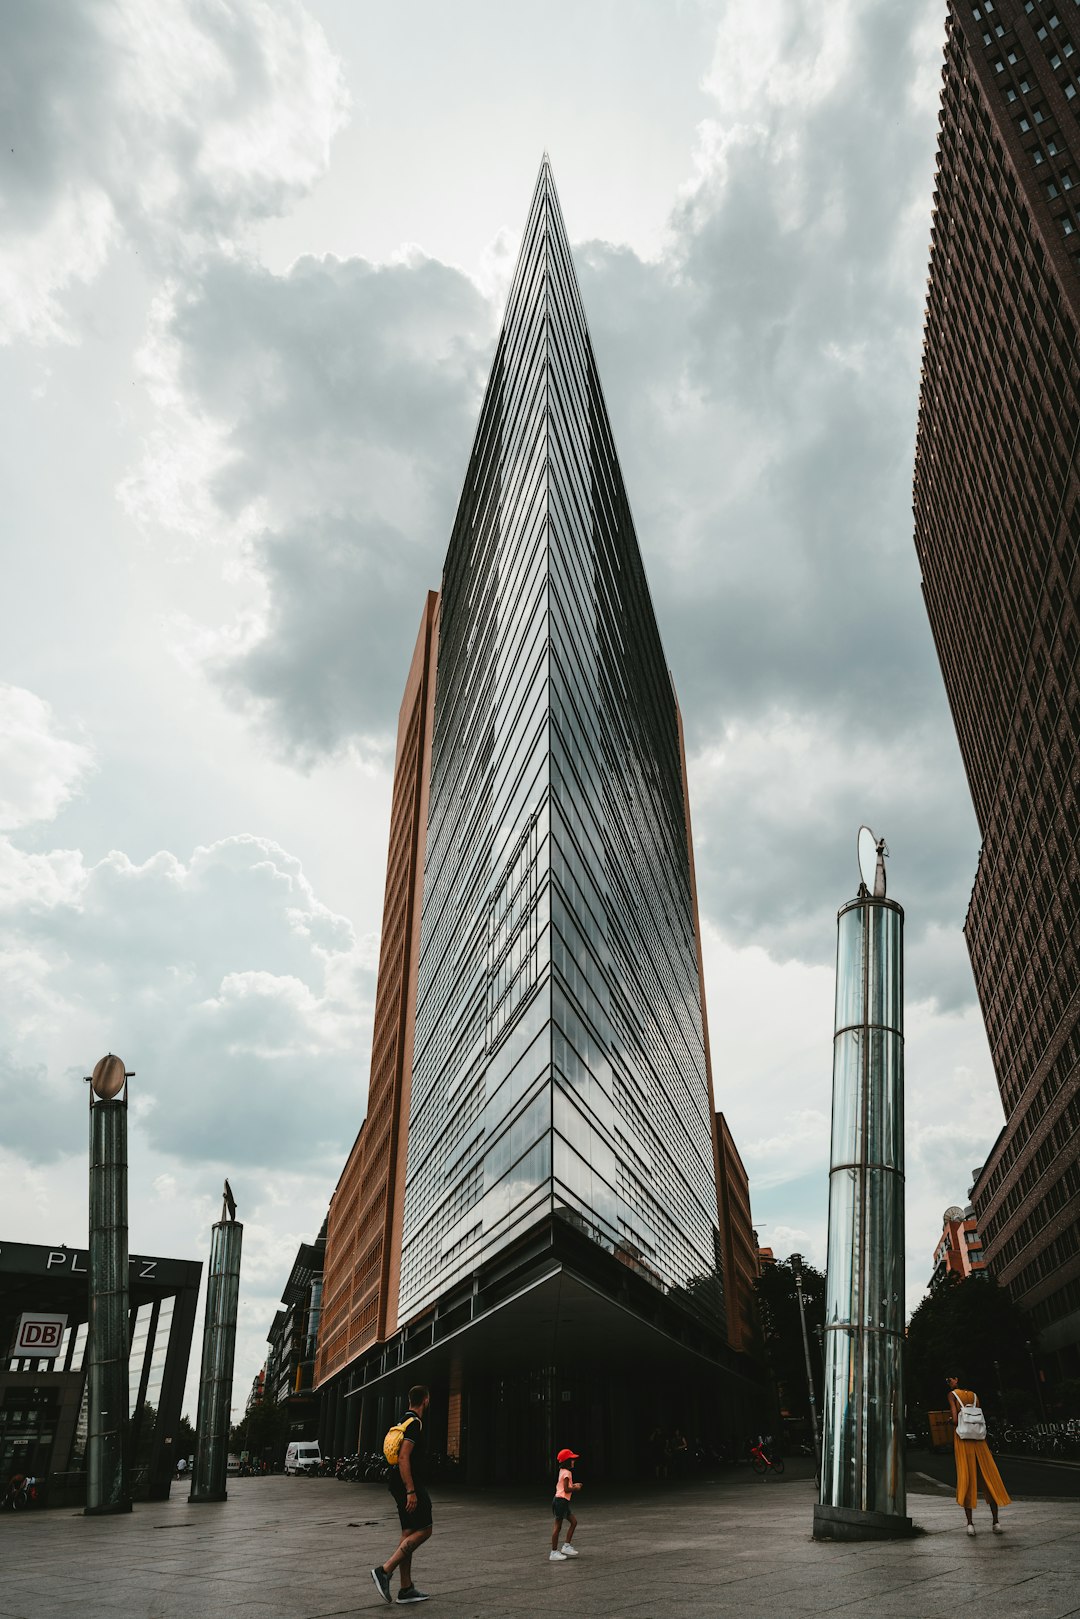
(350, 393)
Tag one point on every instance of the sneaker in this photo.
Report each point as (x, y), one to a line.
(569, 1551)
(411, 1594)
(382, 1583)
(557, 1557)
(971, 1530)
(998, 1530)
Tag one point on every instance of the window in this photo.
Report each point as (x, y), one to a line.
(1052, 146)
(1055, 61)
(1036, 156)
(1070, 91)
(1066, 182)
(1051, 190)
(1040, 33)
(1025, 126)
(1012, 58)
(1039, 116)
(1067, 226)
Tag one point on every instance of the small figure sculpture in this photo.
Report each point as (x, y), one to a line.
(879, 873)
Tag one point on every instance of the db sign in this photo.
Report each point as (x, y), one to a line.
(40, 1336)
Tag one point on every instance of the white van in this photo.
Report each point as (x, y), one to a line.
(302, 1457)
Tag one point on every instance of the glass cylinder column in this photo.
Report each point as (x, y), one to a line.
(208, 1479)
(863, 1483)
(107, 1484)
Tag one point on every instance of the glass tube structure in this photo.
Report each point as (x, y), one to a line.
(208, 1480)
(107, 1484)
(862, 1470)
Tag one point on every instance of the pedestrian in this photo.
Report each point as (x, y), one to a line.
(973, 1460)
(405, 1450)
(562, 1506)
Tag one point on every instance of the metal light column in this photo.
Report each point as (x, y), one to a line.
(107, 1484)
(208, 1478)
(863, 1483)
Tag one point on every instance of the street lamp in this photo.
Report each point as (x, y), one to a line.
(1001, 1391)
(796, 1265)
(1030, 1347)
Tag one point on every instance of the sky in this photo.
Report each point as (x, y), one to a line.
(253, 257)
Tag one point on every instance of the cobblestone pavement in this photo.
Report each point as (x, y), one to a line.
(301, 1549)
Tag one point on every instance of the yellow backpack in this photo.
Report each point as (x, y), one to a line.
(391, 1447)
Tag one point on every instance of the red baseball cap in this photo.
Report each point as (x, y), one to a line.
(568, 1456)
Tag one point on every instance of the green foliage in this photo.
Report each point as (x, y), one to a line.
(263, 1430)
(184, 1444)
(778, 1305)
(963, 1329)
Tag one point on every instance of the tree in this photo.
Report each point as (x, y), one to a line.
(778, 1305)
(185, 1439)
(263, 1430)
(970, 1328)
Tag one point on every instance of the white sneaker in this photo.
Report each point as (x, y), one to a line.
(556, 1557)
(998, 1529)
(971, 1530)
(568, 1550)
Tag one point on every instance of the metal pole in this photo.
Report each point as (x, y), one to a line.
(1001, 1391)
(208, 1479)
(107, 1347)
(796, 1265)
(1029, 1346)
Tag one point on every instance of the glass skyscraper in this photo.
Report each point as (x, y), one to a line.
(543, 1137)
(560, 1051)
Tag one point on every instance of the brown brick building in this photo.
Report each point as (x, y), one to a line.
(741, 1265)
(997, 531)
(363, 1241)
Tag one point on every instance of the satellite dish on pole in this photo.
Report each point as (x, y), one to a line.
(872, 851)
(109, 1078)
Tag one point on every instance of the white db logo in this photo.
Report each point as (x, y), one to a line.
(40, 1336)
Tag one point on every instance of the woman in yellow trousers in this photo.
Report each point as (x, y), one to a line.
(973, 1459)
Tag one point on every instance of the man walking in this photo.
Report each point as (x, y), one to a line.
(406, 1485)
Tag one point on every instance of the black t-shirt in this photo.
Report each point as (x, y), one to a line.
(415, 1432)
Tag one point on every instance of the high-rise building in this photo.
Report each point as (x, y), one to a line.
(561, 1252)
(363, 1237)
(997, 530)
(959, 1252)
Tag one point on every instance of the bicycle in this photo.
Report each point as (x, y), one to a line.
(764, 1464)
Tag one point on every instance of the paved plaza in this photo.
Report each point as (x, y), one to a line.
(301, 1549)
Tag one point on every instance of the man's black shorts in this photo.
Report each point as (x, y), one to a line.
(420, 1517)
(561, 1508)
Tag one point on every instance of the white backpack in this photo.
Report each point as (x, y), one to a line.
(970, 1421)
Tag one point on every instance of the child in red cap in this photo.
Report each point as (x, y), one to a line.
(562, 1507)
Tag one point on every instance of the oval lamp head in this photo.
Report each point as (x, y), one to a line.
(867, 856)
(108, 1078)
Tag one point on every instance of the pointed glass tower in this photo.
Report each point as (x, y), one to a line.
(561, 1092)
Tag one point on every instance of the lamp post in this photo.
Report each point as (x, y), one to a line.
(1001, 1391)
(219, 1345)
(1030, 1347)
(796, 1266)
(107, 1346)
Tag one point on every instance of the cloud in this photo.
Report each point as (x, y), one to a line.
(762, 374)
(329, 412)
(40, 768)
(169, 128)
(238, 997)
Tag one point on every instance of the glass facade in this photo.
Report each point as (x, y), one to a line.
(863, 1451)
(559, 1063)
